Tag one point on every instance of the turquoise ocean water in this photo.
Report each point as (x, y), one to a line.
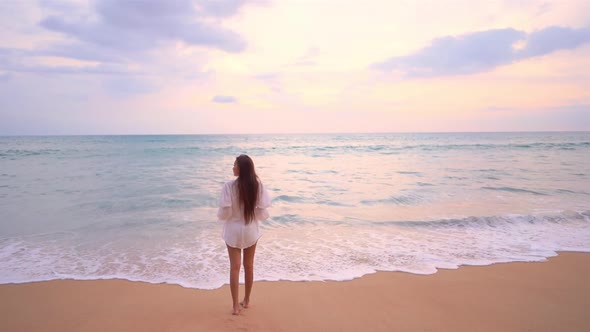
(344, 205)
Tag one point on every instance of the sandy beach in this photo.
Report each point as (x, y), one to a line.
(543, 296)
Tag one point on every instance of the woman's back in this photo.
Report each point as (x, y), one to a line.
(234, 213)
(236, 232)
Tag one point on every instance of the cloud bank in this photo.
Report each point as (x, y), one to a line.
(130, 44)
(121, 35)
(122, 28)
(484, 50)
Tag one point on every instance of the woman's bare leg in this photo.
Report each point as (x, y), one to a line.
(248, 273)
(235, 257)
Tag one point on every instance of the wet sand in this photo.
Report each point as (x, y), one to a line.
(542, 296)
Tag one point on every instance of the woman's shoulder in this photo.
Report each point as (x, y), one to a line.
(261, 186)
(229, 183)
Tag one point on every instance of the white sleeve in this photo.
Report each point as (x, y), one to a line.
(225, 200)
(264, 202)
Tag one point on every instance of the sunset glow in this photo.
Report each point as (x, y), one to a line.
(290, 66)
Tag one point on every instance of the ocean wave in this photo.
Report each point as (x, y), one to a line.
(312, 150)
(396, 148)
(479, 146)
(299, 171)
(497, 221)
(26, 153)
(409, 199)
(409, 173)
(295, 249)
(566, 191)
(145, 204)
(306, 200)
(290, 199)
(515, 190)
(286, 218)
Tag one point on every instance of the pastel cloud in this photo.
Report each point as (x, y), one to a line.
(484, 50)
(123, 28)
(126, 34)
(220, 8)
(224, 99)
(553, 39)
(135, 42)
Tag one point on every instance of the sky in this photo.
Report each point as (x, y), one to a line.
(293, 66)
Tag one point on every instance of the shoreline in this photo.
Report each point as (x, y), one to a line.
(438, 269)
(550, 295)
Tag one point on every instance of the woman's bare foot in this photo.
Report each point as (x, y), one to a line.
(236, 311)
(245, 304)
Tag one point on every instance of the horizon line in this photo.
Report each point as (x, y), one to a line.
(305, 133)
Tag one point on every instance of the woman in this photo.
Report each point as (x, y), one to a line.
(242, 206)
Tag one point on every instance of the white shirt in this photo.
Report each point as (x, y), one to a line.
(236, 233)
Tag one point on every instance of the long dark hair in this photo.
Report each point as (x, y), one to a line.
(247, 186)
